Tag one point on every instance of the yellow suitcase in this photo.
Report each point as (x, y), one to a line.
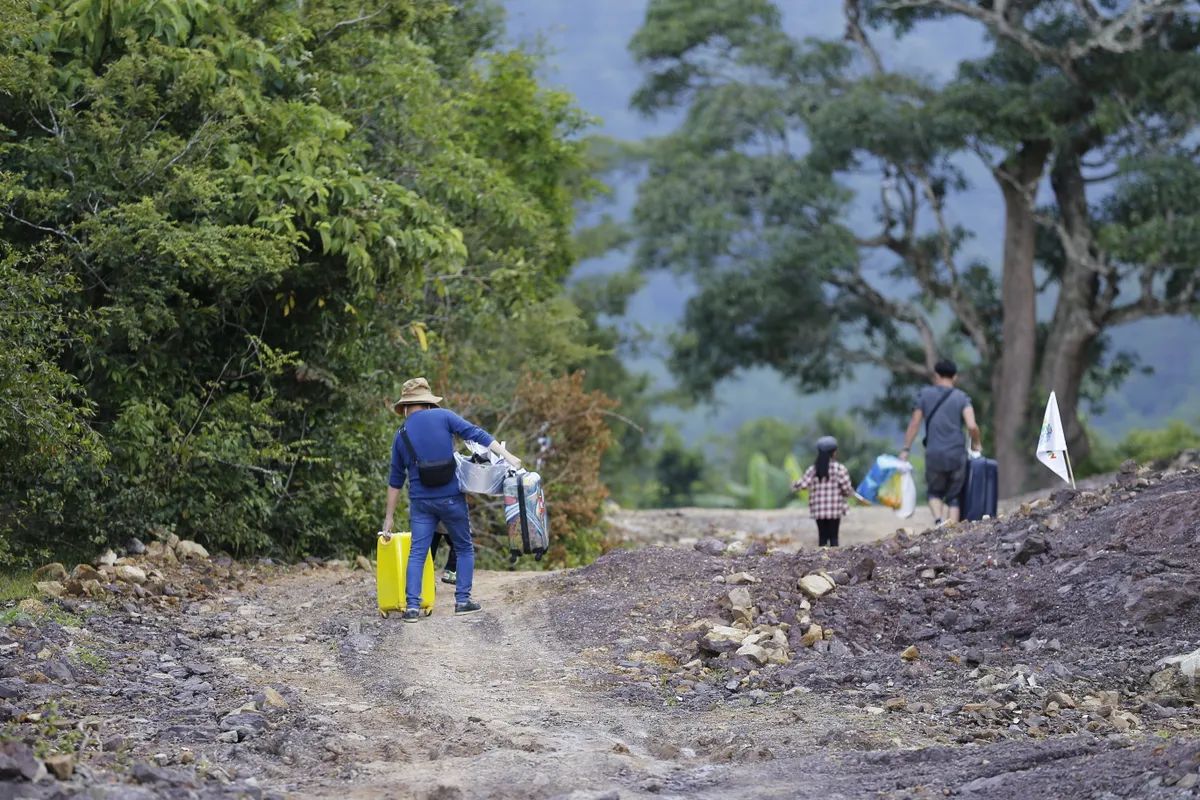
(391, 558)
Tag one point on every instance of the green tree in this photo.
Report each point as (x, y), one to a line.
(275, 213)
(760, 222)
(771, 437)
(629, 461)
(15, 21)
(43, 413)
(1142, 446)
(680, 472)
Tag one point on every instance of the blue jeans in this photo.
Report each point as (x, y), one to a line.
(424, 516)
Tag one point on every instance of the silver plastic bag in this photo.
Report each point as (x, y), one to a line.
(483, 473)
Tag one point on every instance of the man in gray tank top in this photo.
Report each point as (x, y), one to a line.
(944, 410)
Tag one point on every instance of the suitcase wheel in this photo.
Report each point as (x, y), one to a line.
(383, 613)
(426, 612)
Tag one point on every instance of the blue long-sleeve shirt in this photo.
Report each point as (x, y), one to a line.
(432, 433)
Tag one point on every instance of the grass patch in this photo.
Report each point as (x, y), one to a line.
(90, 658)
(16, 586)
(45, 613)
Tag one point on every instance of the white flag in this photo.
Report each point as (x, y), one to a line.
(1052, 444)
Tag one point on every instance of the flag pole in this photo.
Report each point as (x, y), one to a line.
(1070, 471)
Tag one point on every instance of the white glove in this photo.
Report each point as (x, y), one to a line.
(973, 454)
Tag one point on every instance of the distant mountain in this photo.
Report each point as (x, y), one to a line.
(589, 57)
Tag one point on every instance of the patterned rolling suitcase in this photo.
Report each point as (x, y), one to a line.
(981, 489)
(525, 513)
(391, 559)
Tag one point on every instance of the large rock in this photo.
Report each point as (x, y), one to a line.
(187, 549)
(710, 546)
(50, 588)
(247, 724)
(781, 657)
(155, 550)
(363, 563)
(62, 765)
(722, 639)
(135, 547)
(131, 574)
(1161, 602)
(17, 762)
(741, 579)
(51, 572)
(814, 634)
(815, 585)
(740, 598)
(1034, 545)
(273, 699)
(146, 773)
(1178, 674)
(86, 572)
(759, 655)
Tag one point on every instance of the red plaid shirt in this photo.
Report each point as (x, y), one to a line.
(827, 497)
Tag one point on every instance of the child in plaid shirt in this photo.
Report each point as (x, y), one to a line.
(828, 484)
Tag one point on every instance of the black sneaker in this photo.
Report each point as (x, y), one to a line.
(412, 615)
(467, 608)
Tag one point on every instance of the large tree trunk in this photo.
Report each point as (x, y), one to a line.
(1018, 178)
(1074, 328)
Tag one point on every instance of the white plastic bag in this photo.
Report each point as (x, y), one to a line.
(908, 495)
(480, 478)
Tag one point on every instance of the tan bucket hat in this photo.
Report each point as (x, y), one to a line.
(416, 391)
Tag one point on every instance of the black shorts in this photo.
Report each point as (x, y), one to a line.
(946, 485)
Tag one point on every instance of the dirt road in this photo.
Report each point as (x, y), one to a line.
(490, 705)
(597, 683)
(499, 705)
(787, 530)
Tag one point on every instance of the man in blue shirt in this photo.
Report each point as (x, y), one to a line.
(426, 449)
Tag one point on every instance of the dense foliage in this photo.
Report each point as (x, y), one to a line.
(1143, 446)
(234, 228)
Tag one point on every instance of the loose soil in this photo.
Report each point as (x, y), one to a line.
(1037, 671)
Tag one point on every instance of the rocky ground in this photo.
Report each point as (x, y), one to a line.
(1051, 653)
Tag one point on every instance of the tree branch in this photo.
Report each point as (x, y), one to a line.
(856, 34)
(1185, 302)
(858, 285)
(348, 22)
(904, 367)
(1124, 33)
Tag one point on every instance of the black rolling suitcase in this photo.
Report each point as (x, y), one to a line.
(981, 490)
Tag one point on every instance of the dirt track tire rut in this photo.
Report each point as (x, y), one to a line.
(495, 705)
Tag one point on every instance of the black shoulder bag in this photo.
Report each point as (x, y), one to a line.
(925, 441)
(431, 473)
